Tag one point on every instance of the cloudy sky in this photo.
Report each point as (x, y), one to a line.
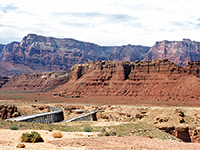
(104, 22)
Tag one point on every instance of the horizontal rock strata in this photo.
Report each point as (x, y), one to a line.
(152, 79)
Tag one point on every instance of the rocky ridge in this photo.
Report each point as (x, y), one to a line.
(43, 54)
(37, 53)
(179, 52)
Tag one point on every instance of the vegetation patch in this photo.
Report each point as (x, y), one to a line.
(141, 129)
(88, 129)
(31, 137)
(13, 127)
(77, 96)
(138, 129)
(17, 97)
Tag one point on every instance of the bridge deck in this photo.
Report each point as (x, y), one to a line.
(81, 116)
(23, 118)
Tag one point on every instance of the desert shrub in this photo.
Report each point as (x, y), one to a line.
(14, 127)
(76, 96)
(57, 134)
(108, 132)
(88, 129)
(31, 137)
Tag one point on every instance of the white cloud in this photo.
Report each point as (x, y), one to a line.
(105, 22)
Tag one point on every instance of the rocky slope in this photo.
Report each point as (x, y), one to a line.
(34, 81)
(153, 80)
(41, 54)
(179, 52)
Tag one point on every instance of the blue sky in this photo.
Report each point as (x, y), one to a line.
(104, 22)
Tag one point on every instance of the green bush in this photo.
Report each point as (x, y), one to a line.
(31, 137)
(14, 127)
(88, 129)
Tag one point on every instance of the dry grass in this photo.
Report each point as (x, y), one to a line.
(31, 137)
(57, 134)
(134, 128)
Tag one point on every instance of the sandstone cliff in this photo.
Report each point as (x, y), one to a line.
(144, 79)
(44, 54)
(179, 52)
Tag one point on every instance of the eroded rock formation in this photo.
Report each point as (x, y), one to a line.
(153, 79)
(8, 112)
(186, 134)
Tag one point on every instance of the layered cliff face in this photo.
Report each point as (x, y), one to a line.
(39, 54)
(179, 52)
(34, 81)
(153, 79)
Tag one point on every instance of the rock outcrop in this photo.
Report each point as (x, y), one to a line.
(34, 81)
(179, 52)
(44, 54)
(186, 134)
(7, 112)
(145, 79)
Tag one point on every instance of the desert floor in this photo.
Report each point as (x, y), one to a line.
(90, 141)
(76, 140)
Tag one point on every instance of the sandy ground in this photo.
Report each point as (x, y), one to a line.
(90, 141)
(10, 138)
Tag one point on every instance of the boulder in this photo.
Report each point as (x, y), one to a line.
(20, 145)
(8, 112)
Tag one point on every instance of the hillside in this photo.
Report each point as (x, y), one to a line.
(34, 82)
(44, 54)
(37, 53)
